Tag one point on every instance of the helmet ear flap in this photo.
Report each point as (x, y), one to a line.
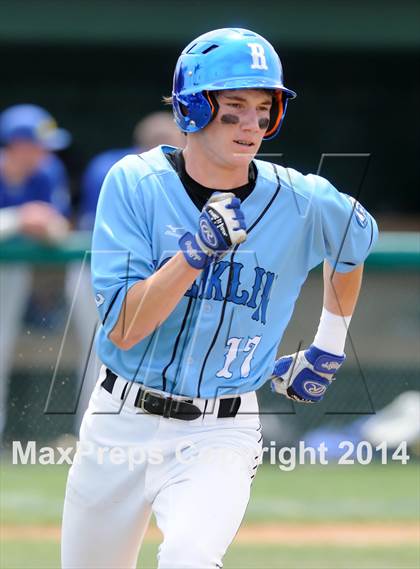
(192, 112)
(277, 112)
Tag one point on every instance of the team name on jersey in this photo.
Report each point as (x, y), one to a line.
(256, 297)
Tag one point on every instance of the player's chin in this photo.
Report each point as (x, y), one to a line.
(242, 153)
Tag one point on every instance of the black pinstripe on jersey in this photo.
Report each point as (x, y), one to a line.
(197, 193)
(222, 315)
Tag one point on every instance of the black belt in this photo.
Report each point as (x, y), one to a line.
(168, 407)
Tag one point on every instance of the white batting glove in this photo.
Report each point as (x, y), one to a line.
(221, 226)
(306, 375)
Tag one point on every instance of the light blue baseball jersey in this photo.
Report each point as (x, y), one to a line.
(223, 335)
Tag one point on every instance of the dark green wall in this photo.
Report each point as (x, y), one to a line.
(300, 23)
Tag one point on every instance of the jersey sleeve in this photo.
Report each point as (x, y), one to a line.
(122, 249)
(346, 232)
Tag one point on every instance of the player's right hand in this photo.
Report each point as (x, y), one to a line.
(221, 226)
(305, 376)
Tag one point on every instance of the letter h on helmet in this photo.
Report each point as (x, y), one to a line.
(229, 58)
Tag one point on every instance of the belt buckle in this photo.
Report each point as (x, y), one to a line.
(145, 393)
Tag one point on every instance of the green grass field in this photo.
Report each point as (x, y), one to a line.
(45, 555)
(384, 494)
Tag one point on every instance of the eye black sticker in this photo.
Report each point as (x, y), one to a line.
(229, 119)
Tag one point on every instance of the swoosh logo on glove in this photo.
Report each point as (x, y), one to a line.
(314, 388)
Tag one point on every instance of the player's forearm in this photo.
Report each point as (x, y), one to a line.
(149, 303)
(305, 376)
(341, 290)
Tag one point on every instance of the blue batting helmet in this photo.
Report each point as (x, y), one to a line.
(229, 58)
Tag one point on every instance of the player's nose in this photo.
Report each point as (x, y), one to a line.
(250, 120)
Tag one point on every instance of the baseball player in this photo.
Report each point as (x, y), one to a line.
(199, 256)
(34, 202)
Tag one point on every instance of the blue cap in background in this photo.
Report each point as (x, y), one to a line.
(32, 123)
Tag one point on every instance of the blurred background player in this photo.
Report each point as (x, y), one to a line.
(34, 202)
(154, 129)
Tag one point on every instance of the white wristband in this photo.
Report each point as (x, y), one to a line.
(332, 332)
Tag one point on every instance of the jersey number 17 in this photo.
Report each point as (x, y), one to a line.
(233, 350)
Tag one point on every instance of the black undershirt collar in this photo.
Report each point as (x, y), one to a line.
(201, 194)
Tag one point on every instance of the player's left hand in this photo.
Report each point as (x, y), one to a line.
(221, 227)
(306, 375)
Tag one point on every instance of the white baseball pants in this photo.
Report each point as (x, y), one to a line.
(195, 476)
